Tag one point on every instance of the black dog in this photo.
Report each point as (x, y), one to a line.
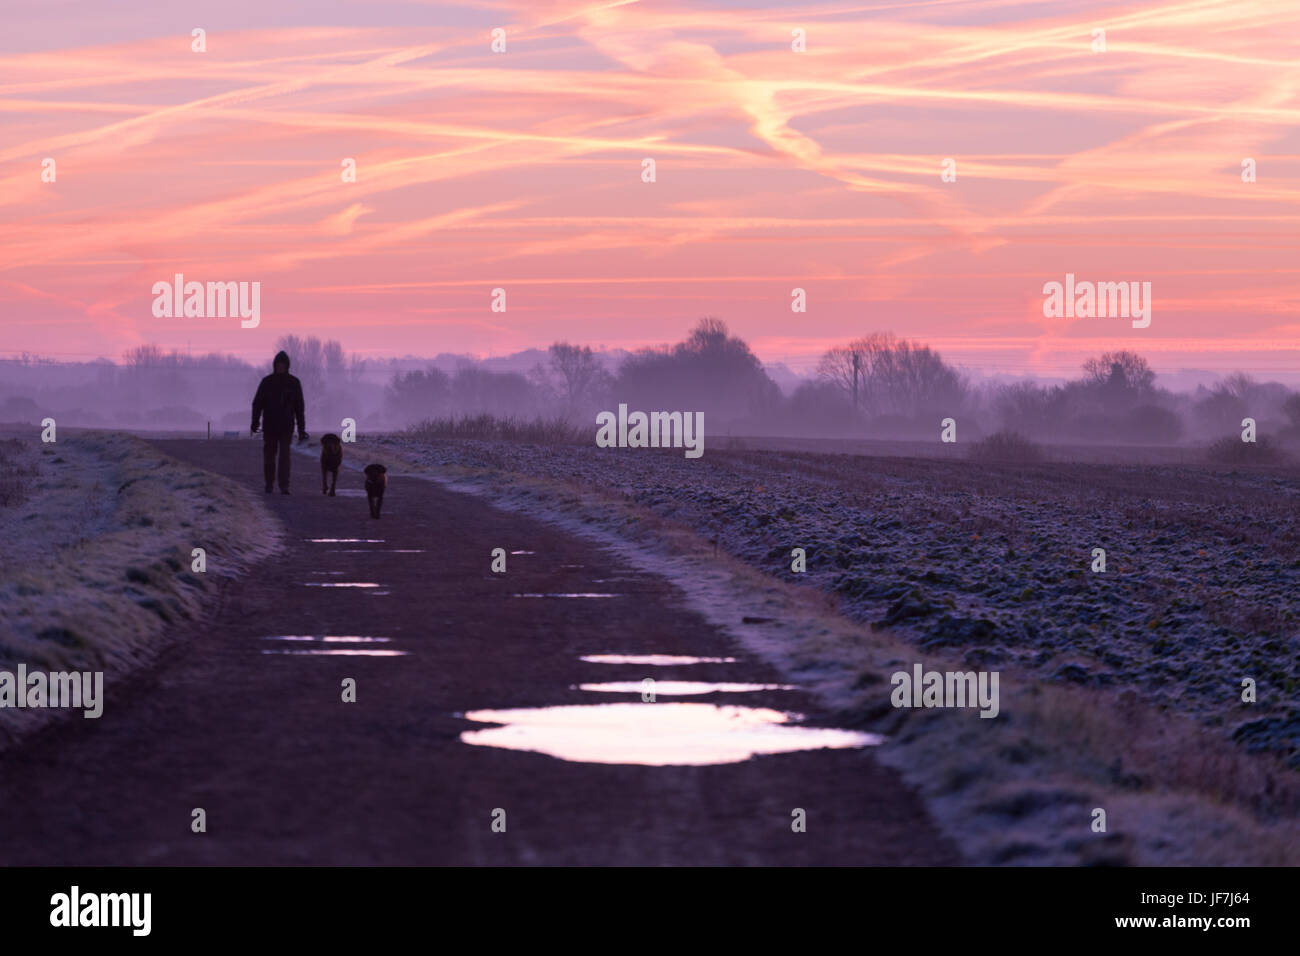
(376, 482)
(331, 457)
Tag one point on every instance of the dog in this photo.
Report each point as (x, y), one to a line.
(331, 457)
(376, 482)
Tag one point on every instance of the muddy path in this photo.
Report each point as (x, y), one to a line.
(251, 727)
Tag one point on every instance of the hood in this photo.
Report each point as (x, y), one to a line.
(280, 356)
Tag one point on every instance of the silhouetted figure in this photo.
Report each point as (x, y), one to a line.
(376, 482)
(278, 404)
(331, 458)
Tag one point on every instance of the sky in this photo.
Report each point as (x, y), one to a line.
(775, 169)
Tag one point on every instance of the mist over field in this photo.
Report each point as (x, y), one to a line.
(877, 386)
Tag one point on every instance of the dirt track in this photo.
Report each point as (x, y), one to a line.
(288, 774)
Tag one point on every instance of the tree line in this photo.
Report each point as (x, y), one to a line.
(876, 385)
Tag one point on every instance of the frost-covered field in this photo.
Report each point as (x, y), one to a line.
(98, 531)
(993, 562)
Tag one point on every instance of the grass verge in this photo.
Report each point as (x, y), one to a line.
(99, 555)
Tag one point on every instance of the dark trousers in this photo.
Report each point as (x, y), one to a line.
(274, 446)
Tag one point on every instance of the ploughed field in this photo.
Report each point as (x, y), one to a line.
(994, 562)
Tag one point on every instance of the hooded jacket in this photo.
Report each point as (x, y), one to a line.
(279, 403)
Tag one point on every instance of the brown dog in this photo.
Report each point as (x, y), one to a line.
(376, 482)
(331, 457)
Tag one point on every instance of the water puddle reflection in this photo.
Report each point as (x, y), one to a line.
(346, 540)
(680, 688)
(654, 660)
(330, 638)
(377, 551)
(567, 595)
(337, 652)
(340, 584)
(656, 735)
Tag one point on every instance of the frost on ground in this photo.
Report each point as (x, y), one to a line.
(98, 553)
(1120, 689)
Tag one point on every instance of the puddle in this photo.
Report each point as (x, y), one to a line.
(568, 595)
(523, 552)
(572, 567)
(656, 735)
(680, 688)
(346, 540)
(340, 584)
(378, 593)
(654, 660)
(377, 551)
(339, 652)
(330, 638)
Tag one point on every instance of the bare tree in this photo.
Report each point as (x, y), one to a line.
(1291, 409)
(356, 369)
(476, 390)
(1027, 407)
(711, 371)
(150, 356)
(855, 367)
(912, 379)
(417, 395)
(334, 361)
(1122, 370)
(316, 362)
(883, 374)
(305, 359)
(579, 372)
(1220, 410)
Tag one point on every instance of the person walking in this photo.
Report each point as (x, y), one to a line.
(278, 404)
